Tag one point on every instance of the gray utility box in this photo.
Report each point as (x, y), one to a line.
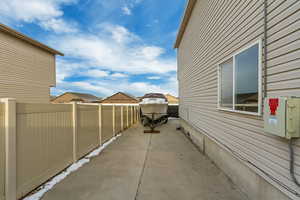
(282, 116)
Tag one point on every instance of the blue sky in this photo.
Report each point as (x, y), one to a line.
(109, 45)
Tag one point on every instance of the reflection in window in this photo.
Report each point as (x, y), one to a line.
(239, 81)
(226, 70)
(246, 80)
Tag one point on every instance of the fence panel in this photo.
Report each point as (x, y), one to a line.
(44, 143)
(88, 129)
(2, 152)
(137, 113)
(118, 119)
(107, 123)
(130, 115)
(124, 117)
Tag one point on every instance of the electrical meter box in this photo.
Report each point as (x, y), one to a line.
(282, 116)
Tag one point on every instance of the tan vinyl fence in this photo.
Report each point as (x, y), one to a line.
(134, 114)
(129, 115)
(2, 152)
(44, 143)
(88, 137)
(107, 131)
(118, 119)
(49, 138)
(125, 113)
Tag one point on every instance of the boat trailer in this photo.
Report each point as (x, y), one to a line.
(152, 123)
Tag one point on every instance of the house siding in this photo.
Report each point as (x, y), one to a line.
(27, 72)
(216, 30)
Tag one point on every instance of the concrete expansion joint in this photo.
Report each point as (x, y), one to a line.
(143, 169)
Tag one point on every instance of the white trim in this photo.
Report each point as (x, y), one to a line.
(260, 96)
(233, 83)
(239, 111)
(259, 112)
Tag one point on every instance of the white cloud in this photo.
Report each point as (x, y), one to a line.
(46, 13)
(97, 73)
(58, 26)
(119, 75)
(150, 52)
(113, 53)
(118, 33)
(126, 10)
(107, 88)
(153, 77)
(115, 49)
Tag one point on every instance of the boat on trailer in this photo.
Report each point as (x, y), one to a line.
(154, 109)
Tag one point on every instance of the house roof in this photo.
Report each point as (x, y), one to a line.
(172, 99)
(81, 97)
(29, 40)
(120, 97)
(184, 22)
(85, 97)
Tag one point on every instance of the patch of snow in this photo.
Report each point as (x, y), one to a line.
(58, 178)
(173, 118)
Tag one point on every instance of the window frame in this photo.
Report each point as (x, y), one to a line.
(233, 57)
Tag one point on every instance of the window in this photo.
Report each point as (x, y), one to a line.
(240, 81)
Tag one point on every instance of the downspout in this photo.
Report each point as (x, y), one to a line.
(265, 46)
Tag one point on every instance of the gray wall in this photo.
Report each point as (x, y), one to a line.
(216, 30)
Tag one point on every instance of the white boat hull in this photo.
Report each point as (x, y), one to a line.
(158, 110)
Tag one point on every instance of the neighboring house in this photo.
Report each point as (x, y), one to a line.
(120, 98)
(221, 47)
(173, 105)
(27, 67)
(75, 96)
(52, 97)
(172, 99)
(139, 98)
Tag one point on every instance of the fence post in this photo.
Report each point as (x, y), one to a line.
(75, 124)
(114, 120)
(136, 119)
(135, 111)
(127, 116)
(10, 148)
(122, 118)
(132, 115)
(100, 124)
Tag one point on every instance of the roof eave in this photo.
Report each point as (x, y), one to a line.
(33, 42)
(184, 22)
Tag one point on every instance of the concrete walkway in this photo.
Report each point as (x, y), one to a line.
(141, 166)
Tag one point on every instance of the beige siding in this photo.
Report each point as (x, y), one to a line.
(107, 123)
(88, 129)
(27, 72)
(44, 143)
(118, 119)
(216, 30)
(125, 117)
(2, 153)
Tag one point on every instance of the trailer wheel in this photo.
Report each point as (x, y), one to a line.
(166, 121)
(145, 121)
